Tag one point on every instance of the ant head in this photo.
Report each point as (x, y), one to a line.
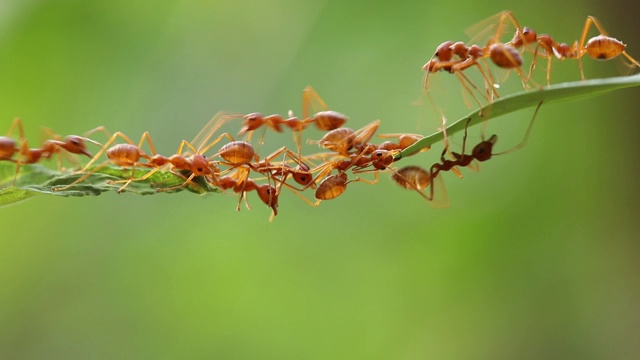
(381, 159)
(200, 165)
(269, 196)
(429, 66)
(75, 144)
(529, 35)
(251, 122)
(302, 177)
(526, 36)
(483, 151)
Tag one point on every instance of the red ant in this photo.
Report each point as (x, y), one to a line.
(600, 47)
(130, 154)
(8, 147)
(503, 55)
(324, 119)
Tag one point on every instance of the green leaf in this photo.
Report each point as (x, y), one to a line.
(12, 195)
(37, 179)
(523, 100)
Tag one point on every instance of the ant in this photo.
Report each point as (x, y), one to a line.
(130, 155)
(416, 178)
(8, 147)
(600, 47)
(342, 140)
(504, 55)
(324, 119)
(235, 153)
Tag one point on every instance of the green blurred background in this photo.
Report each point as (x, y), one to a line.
(537, 256)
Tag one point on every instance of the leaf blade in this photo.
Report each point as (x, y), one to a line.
(526, 99)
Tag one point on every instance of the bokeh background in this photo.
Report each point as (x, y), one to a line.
(537, 256)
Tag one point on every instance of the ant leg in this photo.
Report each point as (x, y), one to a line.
(464, 138)
(101, 129)
(548, 54)
(526, 135)
(464, 80)
(142, 178)
(296, 192)
(146, 136)
(203, 149)
(17, 122)
(489, 82)
(371, 182)
(83, 177)
(15, 176)
(504, 16)
(578, 48)
(364, 134)
(447, 148)
(311, 101)
(184, 143)
(183, 185)
(216, 122)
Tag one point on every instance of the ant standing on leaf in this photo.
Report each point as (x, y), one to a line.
(73, 144)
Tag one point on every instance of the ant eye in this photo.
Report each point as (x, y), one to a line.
(303, 178)
(199, 169)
